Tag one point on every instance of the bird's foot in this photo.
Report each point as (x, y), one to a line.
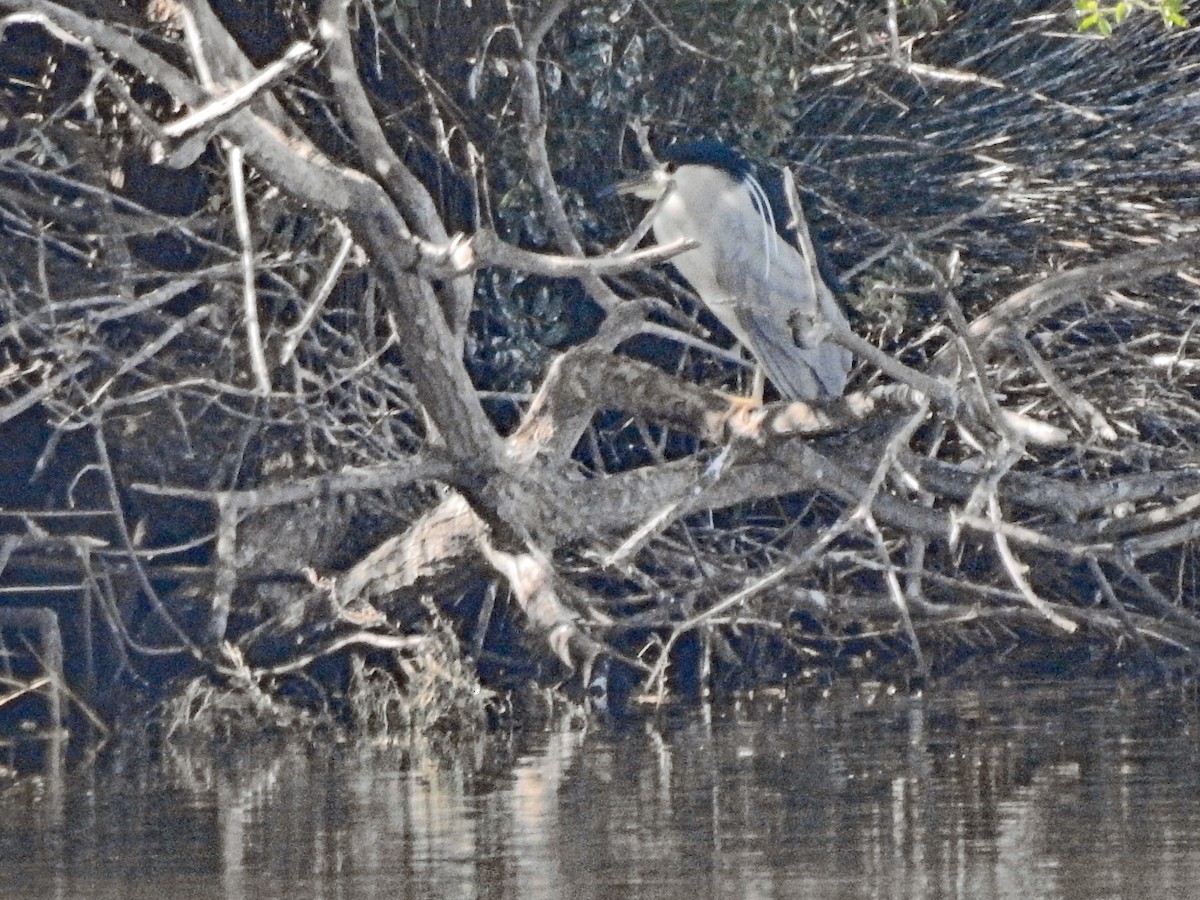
(742, 403)
(744, 416)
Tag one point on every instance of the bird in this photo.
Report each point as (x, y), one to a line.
(758, 285)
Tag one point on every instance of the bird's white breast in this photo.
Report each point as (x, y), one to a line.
(710, 207)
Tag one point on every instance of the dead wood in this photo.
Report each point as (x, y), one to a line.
(343, 375)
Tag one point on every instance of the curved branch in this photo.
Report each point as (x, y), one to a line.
(1044, 298)
(416, 205)
(533, 132)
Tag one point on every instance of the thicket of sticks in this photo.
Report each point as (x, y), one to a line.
(288, 385)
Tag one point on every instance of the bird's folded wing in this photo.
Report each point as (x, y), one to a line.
(798, 369)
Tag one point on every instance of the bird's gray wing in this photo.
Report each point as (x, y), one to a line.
(785, 324)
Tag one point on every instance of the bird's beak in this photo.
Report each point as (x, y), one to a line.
(646, 186)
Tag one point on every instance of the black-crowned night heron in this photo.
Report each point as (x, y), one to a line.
(755, 282)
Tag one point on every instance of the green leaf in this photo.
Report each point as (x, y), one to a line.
(1173, 16)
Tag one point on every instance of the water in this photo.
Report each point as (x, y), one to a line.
(1082, 791)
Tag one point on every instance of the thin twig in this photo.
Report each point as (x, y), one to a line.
(1082, 408)
(241, 218)
(317, 300)
(228, 104)
(114, 499)
(1110, 597)
(1016, 572)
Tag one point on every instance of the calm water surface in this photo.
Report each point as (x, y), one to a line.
(1088, 791)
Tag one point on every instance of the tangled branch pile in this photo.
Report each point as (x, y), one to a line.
(287, 301)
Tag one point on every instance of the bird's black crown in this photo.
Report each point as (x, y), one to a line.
(708, 153)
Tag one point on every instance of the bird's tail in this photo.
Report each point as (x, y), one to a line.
(819, 372)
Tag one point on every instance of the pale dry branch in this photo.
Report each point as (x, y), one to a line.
(241, 218)
(394, 642)
(1082, 408)
(1016, 572)
(150, 350)
(214, 111)
(320, 294)
(446, 536)
(1030, 305)
(533, 125)
(959, 76)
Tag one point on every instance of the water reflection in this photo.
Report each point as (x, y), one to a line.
(1010, 792)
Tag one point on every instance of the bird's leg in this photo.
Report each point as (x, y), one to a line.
(743, 405)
